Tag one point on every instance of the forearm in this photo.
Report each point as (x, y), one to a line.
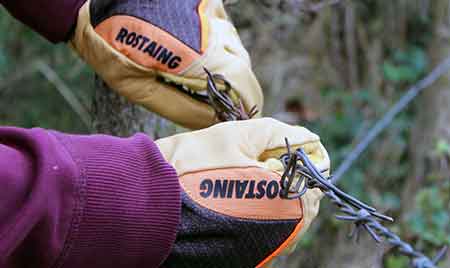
(53, 19)
(86, 201)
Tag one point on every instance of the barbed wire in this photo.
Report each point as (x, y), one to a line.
(222, 102)
(301, 175)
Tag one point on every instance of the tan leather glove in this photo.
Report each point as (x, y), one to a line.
(154, 52)
(232, 214)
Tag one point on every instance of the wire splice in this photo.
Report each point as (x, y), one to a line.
(225, 107)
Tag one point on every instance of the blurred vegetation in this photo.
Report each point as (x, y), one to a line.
(335, 71)
(346, 65)
(28, 98)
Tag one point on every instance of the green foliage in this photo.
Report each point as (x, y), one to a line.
(430, 220)
(350, 115)
(397, 262)
(442, 148)
(28, 99)
(405, 66)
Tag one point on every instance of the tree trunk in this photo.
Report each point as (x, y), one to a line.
(432, 124)
(433, 119)
(114, 115)
(364, 254)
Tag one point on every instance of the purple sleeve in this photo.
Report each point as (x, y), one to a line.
(84, 201)
(53, 19)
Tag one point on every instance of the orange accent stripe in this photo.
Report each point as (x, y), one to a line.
(204, 24)
(112, 27)
(283, 246)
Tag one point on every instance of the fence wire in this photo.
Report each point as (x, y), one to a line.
(301, 175)
(301, 172)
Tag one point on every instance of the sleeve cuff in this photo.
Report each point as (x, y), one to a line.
(129, 202)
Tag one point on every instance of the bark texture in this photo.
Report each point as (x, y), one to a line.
(432, 124)
(433, 120)
(114, 115)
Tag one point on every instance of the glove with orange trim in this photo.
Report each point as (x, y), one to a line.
(154, 53)
(232, 212)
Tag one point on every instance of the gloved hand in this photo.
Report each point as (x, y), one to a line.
(154, 52)
(232, 213)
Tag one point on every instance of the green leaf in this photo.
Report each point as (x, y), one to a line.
(397, 262)
(405, 66)
(442, 147)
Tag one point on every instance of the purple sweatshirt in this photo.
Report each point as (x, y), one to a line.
(81, 201)
(84, 201)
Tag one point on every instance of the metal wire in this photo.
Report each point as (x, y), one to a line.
(301, 175)
(226, 109)
(300, 170)
(412, 93)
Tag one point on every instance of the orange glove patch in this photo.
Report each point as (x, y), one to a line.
(248, 193)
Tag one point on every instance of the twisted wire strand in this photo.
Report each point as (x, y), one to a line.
(301, 172)
(226, 109)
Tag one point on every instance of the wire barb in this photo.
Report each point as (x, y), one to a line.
(226, 109)
(299, 170)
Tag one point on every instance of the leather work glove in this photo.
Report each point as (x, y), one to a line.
(154, 52)
(232, 213)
